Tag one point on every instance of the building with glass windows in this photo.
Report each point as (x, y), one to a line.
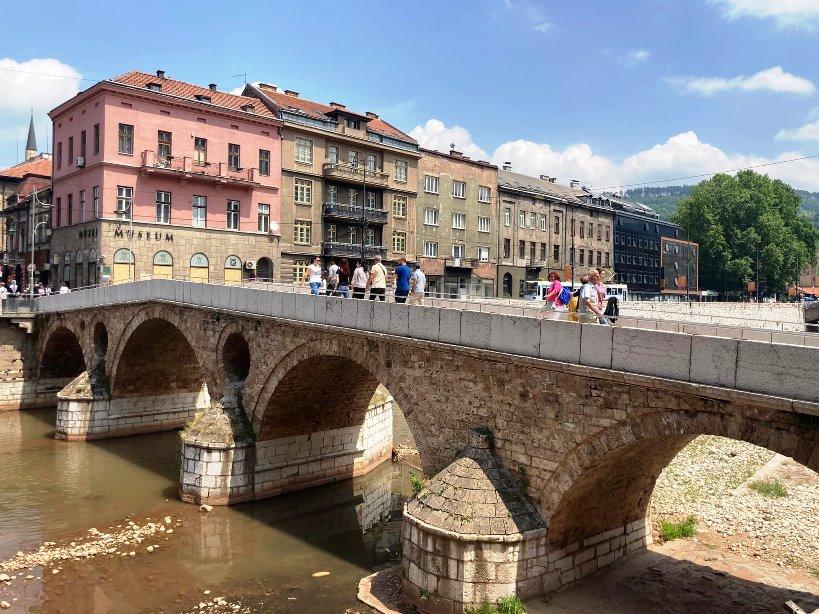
(158, 177)
(348, 182)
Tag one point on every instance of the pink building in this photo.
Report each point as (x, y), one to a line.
(157, 177)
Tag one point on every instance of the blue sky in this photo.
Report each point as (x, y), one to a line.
(608, 92)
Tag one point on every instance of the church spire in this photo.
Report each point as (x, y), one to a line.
(31, 143)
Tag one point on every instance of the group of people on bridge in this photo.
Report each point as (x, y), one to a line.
(409, 281)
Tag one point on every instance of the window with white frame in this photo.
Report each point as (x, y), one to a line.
(125, 201)
(353, 236)
(458, 250)
(299, 269)
(82, 205)
(484, 194)
(95, 195)
(332, 234)
(372, 162)
(372, 200)
(532, 219)
(233, 156)
(430, 184)
(332, 154)
(401, 171)
(430, 216)
(352, 158)
(507, 216)
(483, 224)
(304, 151)
(332, 194)
(233, 214)
(543, 222)
(483, 254)
(264, 218)
(522, 219)
(431, 249)
(163, 207)
(352, 198)
(303, 191)
(200, 211)
(399, 206)
(459, 189)
(126, 139)
(369, 236)
(302, 232)
(399, 242)
(458, 220)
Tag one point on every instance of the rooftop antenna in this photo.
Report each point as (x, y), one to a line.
(243, 75)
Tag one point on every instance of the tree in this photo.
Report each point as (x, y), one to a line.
(731, 217)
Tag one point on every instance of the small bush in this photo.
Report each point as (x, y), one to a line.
(417, 482)
(511, 605)
(425, 594)
(770, 489)
(484, 608)
(675, 530)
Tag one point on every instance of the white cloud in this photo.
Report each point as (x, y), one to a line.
(39, 83)
(806, 132)
(785, 13)
(773, 80)
(634, 57)
(542, 27)
(436, 135)
(681, 155)
(237, 91)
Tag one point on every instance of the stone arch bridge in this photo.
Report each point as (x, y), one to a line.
(584, 417)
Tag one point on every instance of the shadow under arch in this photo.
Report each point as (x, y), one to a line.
(607, 481)
(62, 356)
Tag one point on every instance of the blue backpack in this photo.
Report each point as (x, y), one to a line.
(565, 295)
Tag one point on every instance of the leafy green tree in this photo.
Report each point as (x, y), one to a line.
(731, 217)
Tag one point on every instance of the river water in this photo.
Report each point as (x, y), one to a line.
(260, 554)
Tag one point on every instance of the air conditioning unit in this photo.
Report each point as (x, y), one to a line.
(79, 162)
(250, 264)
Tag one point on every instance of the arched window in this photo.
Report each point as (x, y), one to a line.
(92, 267)
(56, 258)
(123, 265)
(163, 264)
(507, 285)
(233, 270)
(67, 268)
(199, 268)
(264, 269)
(78, 269)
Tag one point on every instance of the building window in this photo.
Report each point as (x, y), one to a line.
(600, 259)
(543, 222)
(543, 256)
(70, 151)
(163, 207)
(299, 269)
(399, 206)
(459, 221)
(521, 219)
(371, 163)
(264, 218)
(431, 184)
(352, 198)
(200, 211)
(430, 217)
(332, 195)
(483, 224)
(532, 251)
(484, 194)
(96, 139)
(353, 236)
(264, 162)
(233, 156)
(352, 158)
(459, 189)
(557, 224)
(304, 151)
(521, 249)
(125, 200)
(352, 123)
(126, 139)
(233, 214)
(332, 154)
(607, 259)
(302, 232)
(200, 150)
(372, 200)
(608, 233)
(59, 211)
(507, 216)
(82, 205)
(430, 249)
(59, 155)
(399, 242)
(599, 232)
(556, 253)
(82, 144)
(483, 254)
(507, 248)
(532, 219)
(70, 214)
(458, 250)
(163, 147)
(369, 236)
(332, 234)
(582, 256)
(582, 230)
(95, 195)
(303, 191)
(401, 171)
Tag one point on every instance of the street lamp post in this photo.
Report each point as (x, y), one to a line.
(34, 227)
(363, 203)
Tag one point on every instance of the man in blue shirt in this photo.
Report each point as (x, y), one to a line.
(402, 281)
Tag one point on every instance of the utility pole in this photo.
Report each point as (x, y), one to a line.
(34, 226)
(757, 271)
(363, 204)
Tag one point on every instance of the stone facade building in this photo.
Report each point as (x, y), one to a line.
(456, 222)
(157, 177)
(348, 182)
(546, 227)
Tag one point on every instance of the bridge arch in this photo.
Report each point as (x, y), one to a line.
(62, 355)
(607, 481)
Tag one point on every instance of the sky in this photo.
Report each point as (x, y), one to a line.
(608, 92)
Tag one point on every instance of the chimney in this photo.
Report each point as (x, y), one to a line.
(507, 166)
(337, 105)
(160, 74)
(292, 93)
(212, 87)
(456, 154)
(552, 179)
(545, 178)
(269, 86)
(574, 183)
(371, 115)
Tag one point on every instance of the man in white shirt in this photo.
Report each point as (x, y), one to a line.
(332, 277)
(378, 280)
(313, 275)
(418, 286)
(64, 288)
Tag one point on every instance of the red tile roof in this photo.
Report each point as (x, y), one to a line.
(182, 89)
(319, 110)
(37, 166)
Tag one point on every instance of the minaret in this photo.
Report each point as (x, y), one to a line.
(31, 143)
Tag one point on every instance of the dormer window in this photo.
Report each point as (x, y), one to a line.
(154, 87)
(202, 98)
(353, 123)
(249, 108)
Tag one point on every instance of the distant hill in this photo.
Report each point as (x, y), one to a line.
(664, 200)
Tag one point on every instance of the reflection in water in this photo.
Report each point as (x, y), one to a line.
(266, 551)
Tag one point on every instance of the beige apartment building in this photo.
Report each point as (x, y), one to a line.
(545, 227)
(456, 224)
(348, 183)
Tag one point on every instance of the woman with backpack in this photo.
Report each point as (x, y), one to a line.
(557, 296)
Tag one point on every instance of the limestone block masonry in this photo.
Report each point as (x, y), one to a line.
(219, 474)
(19, 387)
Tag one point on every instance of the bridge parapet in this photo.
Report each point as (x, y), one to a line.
(775, 369)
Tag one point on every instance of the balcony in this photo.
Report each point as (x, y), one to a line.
(355, 175)
(353, 213)
(352, 250)
(458, 263)
(188, 168)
